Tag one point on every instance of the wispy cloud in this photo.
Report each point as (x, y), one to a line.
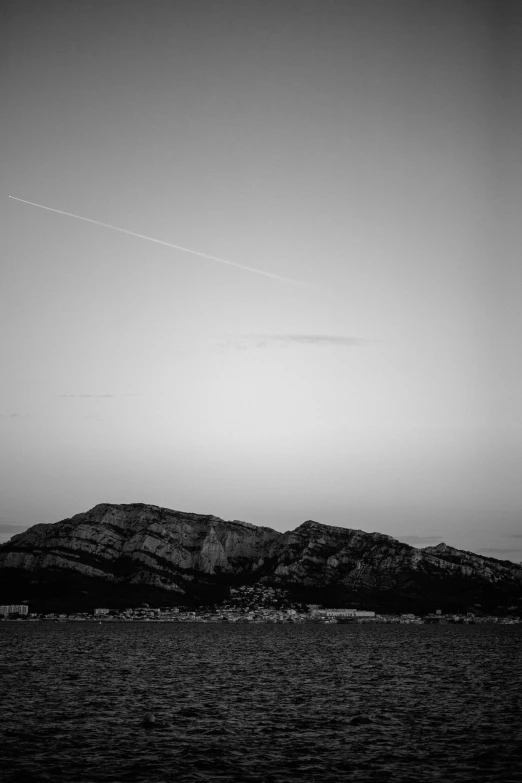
(498, 550)
(312, 339)
(8, 529)
(251, 341)
(15, 416)
(96, 396)
(420, 540)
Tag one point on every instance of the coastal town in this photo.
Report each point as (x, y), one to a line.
(257, 604)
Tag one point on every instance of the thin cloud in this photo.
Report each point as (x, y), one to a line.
(15, 415)
(509, 550)
(310, 339)
(414, 540)
(261, 341)
(83, 396)
(96, 396)
(7, 528)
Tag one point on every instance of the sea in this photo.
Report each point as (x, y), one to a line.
(266, 703)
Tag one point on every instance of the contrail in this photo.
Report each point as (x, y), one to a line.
(166, 244)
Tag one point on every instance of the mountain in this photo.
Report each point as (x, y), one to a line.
(124, 554)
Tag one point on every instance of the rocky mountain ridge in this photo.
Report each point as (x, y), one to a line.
(174, 552)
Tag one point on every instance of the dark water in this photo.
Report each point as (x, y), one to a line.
(260, 703)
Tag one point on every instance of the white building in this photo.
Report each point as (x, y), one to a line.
(14, 609)
(340, 613)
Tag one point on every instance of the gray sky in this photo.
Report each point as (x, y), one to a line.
(368, 153)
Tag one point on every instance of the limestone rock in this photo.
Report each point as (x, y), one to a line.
(172, 550)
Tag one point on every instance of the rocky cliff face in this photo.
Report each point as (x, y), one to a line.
(141, 544)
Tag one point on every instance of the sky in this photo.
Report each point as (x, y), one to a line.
(357, 361)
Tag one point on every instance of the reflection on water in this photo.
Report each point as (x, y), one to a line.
(260, 703)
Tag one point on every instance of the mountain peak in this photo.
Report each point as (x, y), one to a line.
(442, 547)
(311, 525)
(120, 546)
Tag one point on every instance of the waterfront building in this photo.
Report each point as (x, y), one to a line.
(8, 609)
(342, 613)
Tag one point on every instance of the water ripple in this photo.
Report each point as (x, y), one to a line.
(260, 704)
